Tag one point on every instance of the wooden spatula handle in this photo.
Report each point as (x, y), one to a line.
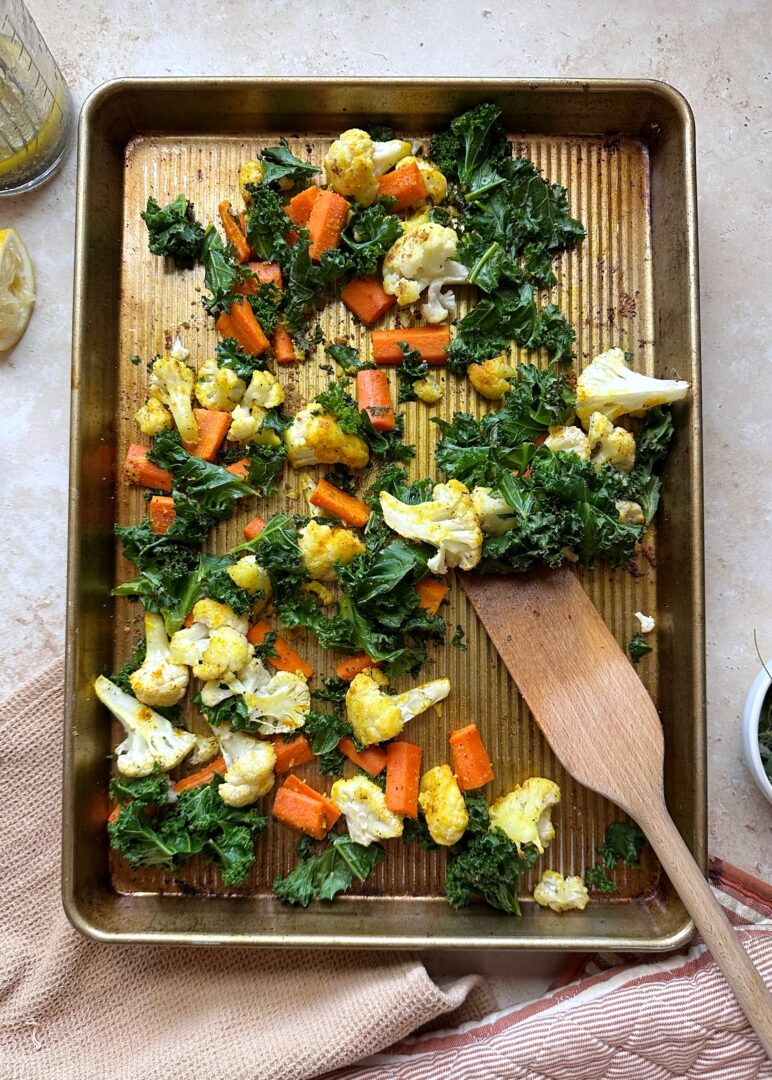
(699, 901)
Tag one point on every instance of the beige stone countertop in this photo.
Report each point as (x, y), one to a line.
(715, 52)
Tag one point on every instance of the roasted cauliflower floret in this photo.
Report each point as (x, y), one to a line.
(492, 379)
(614, 446)
(263, 393)
(435, 182)
(153, 418)
(568, 440)
(354, 162)
(278, 703)
(375, 716)
(443, 805)
(248, 574)
(171, 383)
(324, 595)
(428, 390)
(218, 387)
(158, 681)
(423, 258)
(494, 513)
(364, 806)
(561, 894)
(322, 546)
(251, 172)
(448, 522)
(524, 814)
(250, 767)
(610, 386)
(151, 742)
(630, 513)
(314, 438)
(207, 747)
(646, 622)
(215, 646)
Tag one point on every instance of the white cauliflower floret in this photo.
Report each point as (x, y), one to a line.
(249, 575)
(561, 894)
(425, 258)
(443, 805)
(354, 162)
(448, 522)
(151, 740)
(493, 511)
(568, 440)
(171, 383)
(158, 681)
(434, 181)
(322, 546)
(364, 806)
(610, 386)
(215, 646)
(491, 379)
(614, 446)
(153, 418)
(428, 390)
(375, 716)
(630, 513)
(263, 393)
(314, 438)
(207, 747)
(524, 813)
(251, 172)
(277, 703)
(218, 387)
(647, 622)
(250, 767)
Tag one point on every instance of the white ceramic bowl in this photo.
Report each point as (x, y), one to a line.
(754, 703)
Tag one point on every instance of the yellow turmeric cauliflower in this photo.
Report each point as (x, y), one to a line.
(363, 804)
(524, 813)
(263, 393)
(443, 805)
(614, 446)
(568, 440)
(153, 418)
(561, 894)
(610, 386)
(251, 172)
(630, 513)
(354, 163)
(171, 382)
(491, 379)
(375, 716)
(428, 390)
(250, 764)
(448, 522)
(218, 387)
(248, 574)
(314, 438)
(215, 646)
(322, 546)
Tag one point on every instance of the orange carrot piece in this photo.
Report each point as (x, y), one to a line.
(299, 208)
(283, 346)
(349, 509)
(113, 815)
(240, 323)
(372, 760)
(289, 754)
(431, 341)
(161, 513)
(365, 297)
(240, 468)
(351, 666)
(233, 233)
(431, 593)
(328, 217)
(212, 428)
(374, 396)
(137, 469)
(471, 763)
(292, 237)
(263, 273)
(286, 659)
(331, 812)
(203, 776)
(190, 618)
(403, 776)
(406, 185)
(254, 527)
(300, 812)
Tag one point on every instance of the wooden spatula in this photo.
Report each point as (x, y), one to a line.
(603, 726)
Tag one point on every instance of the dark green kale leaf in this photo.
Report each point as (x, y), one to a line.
(642, 484)
(324, 731)
(229, 354)
(368, 236)
(267, 224)
(475, 139)
(128, 667)
(212, 487)
(623, 842)
(306, 281)
(348, 359)
(409, 371)
(264, 462)
(222, 272)
(266, 304)
(595, 877)
(479, 818)
(394, 479)
(279, 163)
(416, 831)
(489, 865)
(381, 132)
(341, 477)
(457, 641)
(387, 445)
(333, 689)
(332, 871)
(174, 231)
(148, 790)
(638, 647)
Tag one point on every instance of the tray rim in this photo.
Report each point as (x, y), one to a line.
(77, 917)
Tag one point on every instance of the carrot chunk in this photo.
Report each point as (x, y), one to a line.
(351, 666)
(264, 273)
(353, 511)
(366, 299)
(300, 812)
(233, 233)
(289, 754)
(240, 323)
(328, 217)
(374, 397)
(254, 527)
(212, 428)
(299, 208)
(283, 346)
(138, 469)
(161, 513)
(240, 468)
(431, 341)
(331, 812)
(471, 763)
(286, 659)
(406, 185)
(203, 776)
(431, 593)
(372, 760)
(403, 776)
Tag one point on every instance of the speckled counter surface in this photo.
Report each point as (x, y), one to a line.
(716, 53)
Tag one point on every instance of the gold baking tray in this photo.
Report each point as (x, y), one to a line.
(625, 152)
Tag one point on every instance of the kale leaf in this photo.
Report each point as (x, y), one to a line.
(595, 877)
(174, 231)
(409, 371)
(211, 487)
(229, 354)
(279, 163)
(475, 139)
(638, 647)
(368, 236)
(488, 865)
(332, 871)
(623, 842)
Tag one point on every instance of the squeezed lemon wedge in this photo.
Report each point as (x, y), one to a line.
(17, 288)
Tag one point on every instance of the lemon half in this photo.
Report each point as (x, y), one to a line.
(17, 288)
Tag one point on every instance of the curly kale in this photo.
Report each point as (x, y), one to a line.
(173, 231)
(324, 875)
(488, 865)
